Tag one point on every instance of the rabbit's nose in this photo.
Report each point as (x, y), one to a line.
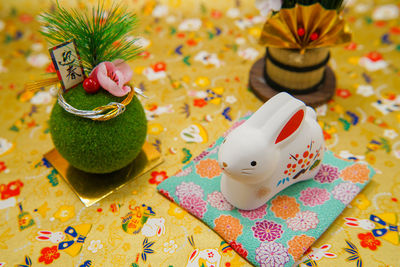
(224, 164)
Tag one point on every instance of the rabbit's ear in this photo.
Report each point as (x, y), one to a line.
(268, 110)
(329, 255)
(285, 121)
(44, 232)
(352, 224)
(42, 237)
(325, 247)
(351, 219)
(194, 255)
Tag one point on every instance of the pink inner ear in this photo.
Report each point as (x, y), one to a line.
(350, 219)
(43, 237)
(351, 224)
(291, 126)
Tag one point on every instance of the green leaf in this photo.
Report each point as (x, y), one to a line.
(148, 250)
(203, 8)
(14, 128)
(191, 241)
(328, 4)
(28, 261)
(351, 251)
(385, 145)
(235, 47)
(148, 244)
(353, 258)
(346, 124)
(186, 60)
(188, 135)
(351, 245)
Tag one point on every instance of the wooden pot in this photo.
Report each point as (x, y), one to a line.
(288, 70)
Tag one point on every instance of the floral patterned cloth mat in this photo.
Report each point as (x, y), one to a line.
(194, 69)
(279, 232)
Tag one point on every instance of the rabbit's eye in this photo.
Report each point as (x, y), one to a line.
(253, 163)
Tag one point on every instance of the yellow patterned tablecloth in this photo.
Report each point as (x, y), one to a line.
(194, 69)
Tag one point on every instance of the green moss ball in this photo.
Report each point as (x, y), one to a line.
(98, 146)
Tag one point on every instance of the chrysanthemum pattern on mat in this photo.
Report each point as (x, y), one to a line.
(267, 230)
(261, 235)
(285, 207)
(272, 254)
(357, 173)
(185, 189)
(228, 227)
(327, 174)
(194, 205)
(303, 221)
(254, 214)
(208, 168)
(314, 196)
(345, 192)
(299, 244)
(218, 201)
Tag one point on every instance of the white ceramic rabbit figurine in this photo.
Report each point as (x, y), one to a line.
(279, 145)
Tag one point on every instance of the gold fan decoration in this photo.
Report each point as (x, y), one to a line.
(305, 27)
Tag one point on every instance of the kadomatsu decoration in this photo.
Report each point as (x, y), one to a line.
(98, 124)
(297, 36)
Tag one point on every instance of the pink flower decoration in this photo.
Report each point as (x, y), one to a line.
(254, 214)
(267, 230)
(194, 205)
(189, 189)
(304, 221)
(314, 196)
(272, 254)
(218, 201)
(345, 192)
(327, 174)
(112, 76)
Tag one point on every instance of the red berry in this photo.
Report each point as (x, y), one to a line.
(91, 85)
(314, 36)
(301, 32)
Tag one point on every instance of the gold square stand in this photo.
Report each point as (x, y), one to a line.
(91, 188)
